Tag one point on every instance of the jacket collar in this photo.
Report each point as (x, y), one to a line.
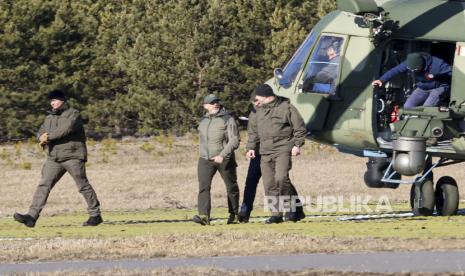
(60, 110)
(428, 61)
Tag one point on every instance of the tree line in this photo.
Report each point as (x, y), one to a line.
(139, 67)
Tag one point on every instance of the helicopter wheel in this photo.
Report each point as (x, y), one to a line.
(447, 196)
(428, 199)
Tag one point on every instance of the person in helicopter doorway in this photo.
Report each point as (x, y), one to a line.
(432, 77)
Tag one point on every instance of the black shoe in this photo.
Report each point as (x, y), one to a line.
(93, 221)
(233, 219)
(243, 217)
(295, 216)
(274, 219)
(202, 219)
(25, 219)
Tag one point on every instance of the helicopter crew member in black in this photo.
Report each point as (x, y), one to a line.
(280, 130)
(432, 76)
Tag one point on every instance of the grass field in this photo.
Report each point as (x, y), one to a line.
(148, 193)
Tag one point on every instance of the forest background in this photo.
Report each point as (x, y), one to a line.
(140, 67)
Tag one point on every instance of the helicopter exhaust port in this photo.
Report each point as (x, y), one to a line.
(409, 155)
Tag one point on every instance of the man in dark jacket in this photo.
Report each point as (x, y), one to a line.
(62, 134)
(432, 77)
(280, 130)
(219, 138)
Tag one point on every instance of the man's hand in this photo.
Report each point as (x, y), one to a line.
(377, 83)
(218, 159)
(43, 139)
(250, 154)
(295, 151)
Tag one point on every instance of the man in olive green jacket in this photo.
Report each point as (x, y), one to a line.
(62, 135)
(219, 138)
(280, 130)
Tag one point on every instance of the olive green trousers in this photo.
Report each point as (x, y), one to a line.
(281, 195)
(206, 170)
(51, 173)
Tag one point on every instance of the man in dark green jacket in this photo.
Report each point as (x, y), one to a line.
(280, 130)
(62, 135)
(219, 138)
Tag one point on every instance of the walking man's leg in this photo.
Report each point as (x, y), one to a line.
(254, 174)
(77, 169)
(51, 172)
(228, 172)
(205, 171)
(294, 210)
(267, 166)
(282, 167)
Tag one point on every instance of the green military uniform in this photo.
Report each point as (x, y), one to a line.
(219, 136)
(278, 127)
(67, 152)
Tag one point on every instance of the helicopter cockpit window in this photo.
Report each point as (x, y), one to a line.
(297, 61)
(323, 68)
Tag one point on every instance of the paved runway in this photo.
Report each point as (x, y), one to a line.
(387, 262)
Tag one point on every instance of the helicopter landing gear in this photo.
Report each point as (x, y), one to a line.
(422, 198)
(446, 196)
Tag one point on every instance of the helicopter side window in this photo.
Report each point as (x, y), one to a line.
(297, 61)
(323, 69)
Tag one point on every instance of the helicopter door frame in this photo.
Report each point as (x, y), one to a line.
(457, 97)
(316, 95)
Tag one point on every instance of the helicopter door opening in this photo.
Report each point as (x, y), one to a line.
(398, 89)
(320, 78)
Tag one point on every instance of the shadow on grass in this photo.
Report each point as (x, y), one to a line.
(260, 219)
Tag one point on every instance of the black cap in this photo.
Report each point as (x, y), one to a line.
(415, 61)
(211, 99)
(57, 94)
(264, 90)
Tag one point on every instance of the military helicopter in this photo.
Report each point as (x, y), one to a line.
(342, 108)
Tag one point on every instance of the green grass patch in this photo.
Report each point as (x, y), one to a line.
(178, 221)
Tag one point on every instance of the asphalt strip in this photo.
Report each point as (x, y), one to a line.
(381, 262)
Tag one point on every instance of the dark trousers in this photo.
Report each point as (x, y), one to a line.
(51, 173)
(426, 97)
(254, 174)
(206, 170)
(278, 186)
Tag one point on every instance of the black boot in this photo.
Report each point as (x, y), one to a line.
(274, 219)
(93, 221)
(233, 219)
(295, 216)
(244, 217)
(25, 219)
(201, 219)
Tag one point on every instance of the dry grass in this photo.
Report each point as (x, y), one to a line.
(207, 244)
(207, 271)
(134, 174)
